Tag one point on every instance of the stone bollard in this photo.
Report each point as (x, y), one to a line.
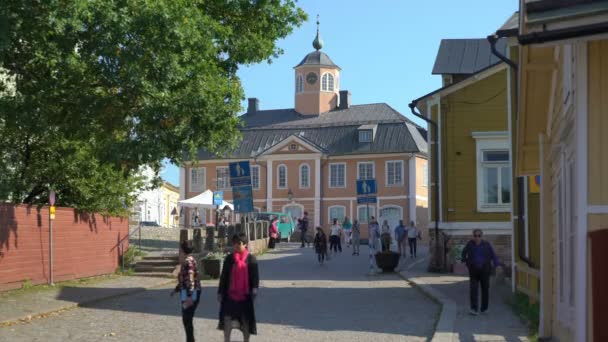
(197, 240)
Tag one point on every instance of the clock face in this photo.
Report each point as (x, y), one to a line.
(311, 78)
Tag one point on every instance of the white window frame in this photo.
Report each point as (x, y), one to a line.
(330, 219)
(302, 186)
(366, 131)
(386, 179)
(299, 83)
(366, 163)
(255, 167)
(567, 83)
(492, 141)
(217, 179)
(325, 82)
(330, 175)
(201, 179)
(425, 175)
(279, 176)
(372, 212)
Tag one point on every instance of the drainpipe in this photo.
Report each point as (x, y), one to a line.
(437, 263)
(492, 39)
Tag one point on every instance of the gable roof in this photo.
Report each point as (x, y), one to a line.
(466, 56)
(332, 133)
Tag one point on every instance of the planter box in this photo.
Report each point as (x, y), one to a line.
(212, 267)
(461, 268)
(387, 261)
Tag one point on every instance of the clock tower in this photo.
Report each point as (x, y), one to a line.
(317, 80)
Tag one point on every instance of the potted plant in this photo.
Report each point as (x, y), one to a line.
(387, 260)
(212, 264)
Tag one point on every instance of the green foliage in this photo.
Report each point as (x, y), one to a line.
(91, 90)
(456, 252)
(131, 254)
(27, 284)
(529, 312)
(214, 256)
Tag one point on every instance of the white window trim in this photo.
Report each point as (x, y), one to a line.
(372, 212)
(491, 141)
(227, 188)
(204, 179)
(329, 178)
(329, 219)
(373, 168)
(259, 177)
(371, 133)
(396, 185)
(300, 178)
(333, 79)
(392, 206)
(279, 176)
(293, 205)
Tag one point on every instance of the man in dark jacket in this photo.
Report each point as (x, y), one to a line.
(303, 222)
(480, 258)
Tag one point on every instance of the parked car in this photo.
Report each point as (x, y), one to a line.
(149, 224)
(286, 225)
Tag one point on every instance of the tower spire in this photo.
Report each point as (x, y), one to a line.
(317, 43)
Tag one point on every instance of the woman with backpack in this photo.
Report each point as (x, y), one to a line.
(189, 288)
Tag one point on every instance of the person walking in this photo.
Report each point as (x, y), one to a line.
(401, 236)
(346, 229)
(189, 288)
(334, 237)
(412, 237)
(320, 244)
(480, 258)
(273, 233)
(303, 223)
(374, 234)
(386, 236)
(237, 290)
(356, 237)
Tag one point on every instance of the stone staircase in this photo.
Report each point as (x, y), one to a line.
(157, 266)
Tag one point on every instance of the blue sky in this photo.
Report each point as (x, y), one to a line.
(386, 49)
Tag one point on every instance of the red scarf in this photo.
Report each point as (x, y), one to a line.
(239, 277)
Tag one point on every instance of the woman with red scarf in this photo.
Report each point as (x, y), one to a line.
(238, 288)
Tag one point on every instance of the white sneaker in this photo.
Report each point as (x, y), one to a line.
(485, 312)
(473, 312)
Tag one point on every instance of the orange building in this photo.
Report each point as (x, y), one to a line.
(308, 158)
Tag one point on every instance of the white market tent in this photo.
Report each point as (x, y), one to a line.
(204, 200)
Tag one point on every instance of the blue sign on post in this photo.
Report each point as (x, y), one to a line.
(243, 199)
(366, 191)
(218, 198)
(240, 173)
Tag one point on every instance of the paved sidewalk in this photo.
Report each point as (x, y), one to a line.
(456, 324)
(35, 303)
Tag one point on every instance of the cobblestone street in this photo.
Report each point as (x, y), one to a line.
(299, 300)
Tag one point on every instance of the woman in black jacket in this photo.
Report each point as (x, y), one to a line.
(237, 290)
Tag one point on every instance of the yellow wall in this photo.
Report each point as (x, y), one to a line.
(479, 107)
(598, 122)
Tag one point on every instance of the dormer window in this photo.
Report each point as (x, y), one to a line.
(365, 136)
(327, 82)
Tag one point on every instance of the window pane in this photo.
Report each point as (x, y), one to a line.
(496, 156)
(491, 185)
(362, 213)
(505, 183)
(324, 82)
(304, 176)
(223, 178)
(394, 173)
(255, 177)
(365, 136)
(282, 176)
(330, 82)
(336, 213)
(336, 176)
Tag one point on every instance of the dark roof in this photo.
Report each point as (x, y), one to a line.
(317, 58)
(333, 133)
(510, 27)
(466, 56)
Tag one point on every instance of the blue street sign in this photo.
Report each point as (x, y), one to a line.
(366, 199)
(240, 173)
(243, 199)
(218, 197)
(366, 187)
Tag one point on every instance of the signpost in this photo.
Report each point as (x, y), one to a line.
(366, 193)
(240, 180)
(51, 218)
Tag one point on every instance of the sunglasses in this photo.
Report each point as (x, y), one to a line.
(476, 235)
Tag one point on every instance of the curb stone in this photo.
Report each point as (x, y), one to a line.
(29, 318)
(444, 329)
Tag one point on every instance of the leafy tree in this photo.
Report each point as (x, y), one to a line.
(94, 89)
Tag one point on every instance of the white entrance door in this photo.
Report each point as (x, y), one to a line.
(392, 215)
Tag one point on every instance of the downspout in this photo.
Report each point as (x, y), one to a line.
(492, 39)
(436, 263)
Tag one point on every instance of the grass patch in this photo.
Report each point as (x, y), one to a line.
(527, 311)
(28, 287)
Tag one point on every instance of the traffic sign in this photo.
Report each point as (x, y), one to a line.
(52, 197)
(52, 212)
(218, 197)
(243, 199)
(366, 199)
(366, 191)
(240, 173)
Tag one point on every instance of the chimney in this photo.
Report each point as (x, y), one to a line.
(344, 99)
(253, 105)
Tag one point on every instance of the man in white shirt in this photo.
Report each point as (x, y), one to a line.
(334, 237)
(412, 236)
